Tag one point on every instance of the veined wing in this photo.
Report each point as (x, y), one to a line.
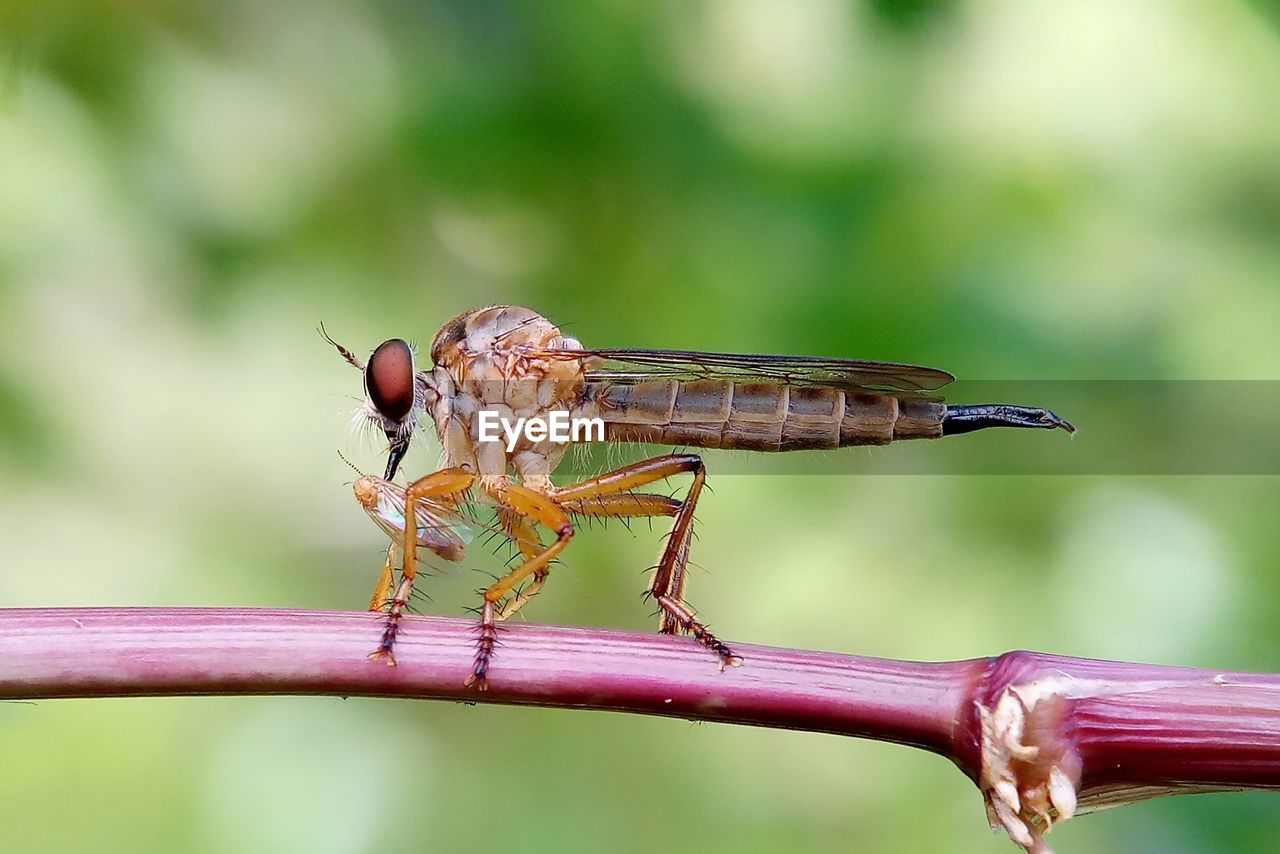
(441, 528)
(633, 366)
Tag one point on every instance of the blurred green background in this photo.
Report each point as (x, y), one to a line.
(1083, 190)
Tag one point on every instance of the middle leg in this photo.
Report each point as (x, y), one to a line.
(518, 508)
(608, 496)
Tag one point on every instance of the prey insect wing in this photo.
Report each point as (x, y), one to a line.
(442, 527)
(627, 366)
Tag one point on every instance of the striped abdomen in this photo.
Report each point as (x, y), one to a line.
(759, 416)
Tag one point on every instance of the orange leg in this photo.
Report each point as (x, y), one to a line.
(608, 495)
(443, 484)
(667, 587)
(629, 477)
(622, 506)
(598, 496)
(382, 592)
(521, 532)
(522, 506)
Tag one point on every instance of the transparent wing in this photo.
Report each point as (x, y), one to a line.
(442, 528)
(632, 366)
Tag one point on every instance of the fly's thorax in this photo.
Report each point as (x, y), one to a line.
(497, 354)
(503, 330)
(489, 328)
(492, 368)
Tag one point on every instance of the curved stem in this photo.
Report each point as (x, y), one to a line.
(116, 652)
(1039, 734)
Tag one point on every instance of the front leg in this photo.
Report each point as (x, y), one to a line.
(449, 483)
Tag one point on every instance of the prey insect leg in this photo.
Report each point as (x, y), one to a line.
(382, 592)
(443, 484)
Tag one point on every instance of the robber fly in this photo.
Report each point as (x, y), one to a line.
(511, 363)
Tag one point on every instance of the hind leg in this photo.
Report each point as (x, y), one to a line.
(600, 497)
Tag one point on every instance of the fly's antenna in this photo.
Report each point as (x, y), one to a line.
(342, 351)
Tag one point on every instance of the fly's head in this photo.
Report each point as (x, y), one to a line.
(394, 395)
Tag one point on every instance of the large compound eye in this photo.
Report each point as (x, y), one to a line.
(388, 379)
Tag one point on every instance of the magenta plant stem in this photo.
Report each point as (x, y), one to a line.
(98, 652)
(1039, 734)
